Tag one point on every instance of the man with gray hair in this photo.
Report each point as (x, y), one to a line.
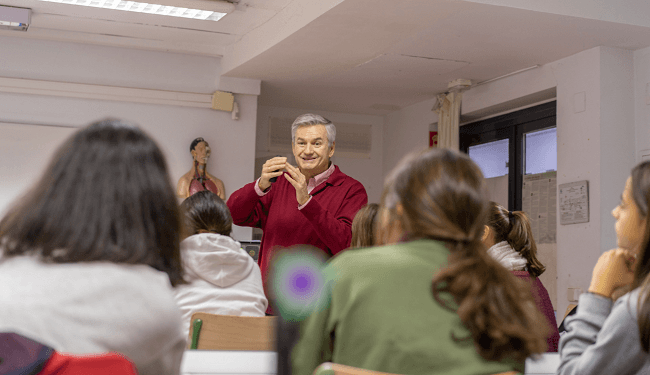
(312, 203)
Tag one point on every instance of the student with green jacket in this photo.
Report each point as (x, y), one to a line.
(430, 301)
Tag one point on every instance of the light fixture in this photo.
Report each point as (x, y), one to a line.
(162, 10)
(14, 18)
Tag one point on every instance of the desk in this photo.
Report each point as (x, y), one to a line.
(222, 362)
(547, 364)
(209, 362)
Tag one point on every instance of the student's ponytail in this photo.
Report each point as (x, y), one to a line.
(494, 306)
(520, 237)
(514, 227)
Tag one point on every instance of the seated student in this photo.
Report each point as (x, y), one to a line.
(433, 301)
(609, 335)
(363, 226)
(509, 239)
(222, 277)
(89, 256)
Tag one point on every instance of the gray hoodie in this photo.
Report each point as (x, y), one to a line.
(92, 308)
(223, 279)
(603, 338)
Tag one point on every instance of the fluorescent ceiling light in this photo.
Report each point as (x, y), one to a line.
(134, 6)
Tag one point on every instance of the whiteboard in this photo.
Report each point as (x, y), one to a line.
(25, 152)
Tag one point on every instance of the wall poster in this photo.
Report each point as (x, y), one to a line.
(574, 202)
(538, 200)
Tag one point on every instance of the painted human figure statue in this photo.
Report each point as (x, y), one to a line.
(198, 179)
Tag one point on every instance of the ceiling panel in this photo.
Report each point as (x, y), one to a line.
(392, 72)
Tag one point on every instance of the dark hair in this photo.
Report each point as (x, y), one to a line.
(106, 196)
(641, 196)
(206, 211)
(514, 228)
(196, 141)
(363, 226)
(440, 194)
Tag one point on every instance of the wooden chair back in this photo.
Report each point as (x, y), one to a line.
(329, 368)
(568, 309)
(228, 332)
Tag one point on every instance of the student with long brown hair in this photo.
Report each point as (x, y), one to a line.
(432, 301)
(510, 242)
(363, 226)
(610, 335)
(89, 256)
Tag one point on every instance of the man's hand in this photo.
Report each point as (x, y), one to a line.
(299, 182)
(272, 168)
(615, 269)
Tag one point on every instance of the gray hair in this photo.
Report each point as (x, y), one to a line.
(310, 119)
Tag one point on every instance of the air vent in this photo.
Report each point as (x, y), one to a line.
(280, 134)
(14, 18)
(352, 140)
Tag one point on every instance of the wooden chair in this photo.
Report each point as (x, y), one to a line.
(329, 368)
(228, 332)
(569, 309)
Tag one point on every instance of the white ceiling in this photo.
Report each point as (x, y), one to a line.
(63, 22)
(361, 56)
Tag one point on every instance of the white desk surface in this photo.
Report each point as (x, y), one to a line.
(547, 364)
(208, 362)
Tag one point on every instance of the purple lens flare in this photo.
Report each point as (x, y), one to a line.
(297, 282)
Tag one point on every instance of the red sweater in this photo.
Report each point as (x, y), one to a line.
(325, 222)
(543, 302)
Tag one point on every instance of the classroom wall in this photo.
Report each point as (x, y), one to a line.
(618, 132)
(595, 143)
(367, 170)
(642, 100)
(173, 127)
(406, 130)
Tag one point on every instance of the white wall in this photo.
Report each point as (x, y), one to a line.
(578, 151)
(596, 144)
(368, 171)
(24, 153)
(406, 130)
(232, 142)
(617, 134)
(642, 99)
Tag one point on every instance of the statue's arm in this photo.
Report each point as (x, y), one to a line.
(183, 187)
(222, 189)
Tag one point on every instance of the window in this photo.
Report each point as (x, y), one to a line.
(492, 157)
(540, 148)
(507, 147)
